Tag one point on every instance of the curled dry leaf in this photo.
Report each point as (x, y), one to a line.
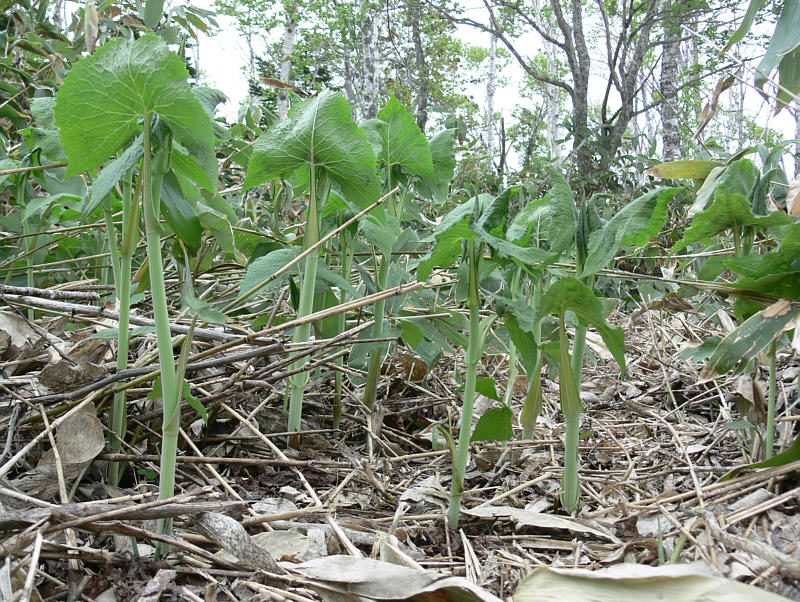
(541, 520)
(634, 583)
(346, 578)
(230, 535)
(79, 439)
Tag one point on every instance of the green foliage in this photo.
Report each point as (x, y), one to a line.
(318, 132)
(105, 95)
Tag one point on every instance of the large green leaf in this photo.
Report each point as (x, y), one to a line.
(319, 131)
(46, 135)
(496, 424)
(728, 211)
(447, 250)
(180, 214)
(105, 95)
(789, 72)
(403, 144)
(264, 267)
(635, 224)
(113, 173)
(444, 165)
(754, 335)
(563, 216)
(570, 294)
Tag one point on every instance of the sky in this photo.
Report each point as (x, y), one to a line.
(224, 56)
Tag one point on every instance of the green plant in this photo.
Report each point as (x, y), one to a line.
(319, 138)
(126, 87)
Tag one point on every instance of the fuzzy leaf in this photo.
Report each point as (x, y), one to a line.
(105, 95)
(635, 224)
(570, 294)
(444, 165)
(319, 131)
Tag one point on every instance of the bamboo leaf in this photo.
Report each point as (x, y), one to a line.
(753, 336)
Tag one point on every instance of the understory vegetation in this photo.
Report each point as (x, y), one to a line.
(375, 339)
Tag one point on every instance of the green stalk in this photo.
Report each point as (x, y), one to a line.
(166, 358)
(474, 352)
(348, 254)
(571, 408)
(578, 351)
(534, 400)
(770, 443)
(130, 226)
(532, 405)
(298, 382)
(376, 356)
(28, 242)
(513, 371)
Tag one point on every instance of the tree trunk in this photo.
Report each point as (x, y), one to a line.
(491, 86)
(580, 98)
(370, 76)
(289, 36)
(670, 64)
(423, 73)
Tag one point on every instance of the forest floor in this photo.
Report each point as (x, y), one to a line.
(655, 445)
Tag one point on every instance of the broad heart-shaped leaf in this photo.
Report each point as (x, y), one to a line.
(444, 165)
(45, 136)
(738, 178)
(562, 218)
(491, 218)
(635, 224)
(105, 96)
(496, 424)
(754, 335)
(381, 233)
(776, 273)
(403, 144)
(319, 131)
(570, 294)
(265, 266)
(530, 223)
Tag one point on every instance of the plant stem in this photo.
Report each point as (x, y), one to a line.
(474, 352)
(571, 408)
(166, 357)
(770, 442)
(122, 275)
(320, 186)
(578, 351)
(347, 251)
(376, 356)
